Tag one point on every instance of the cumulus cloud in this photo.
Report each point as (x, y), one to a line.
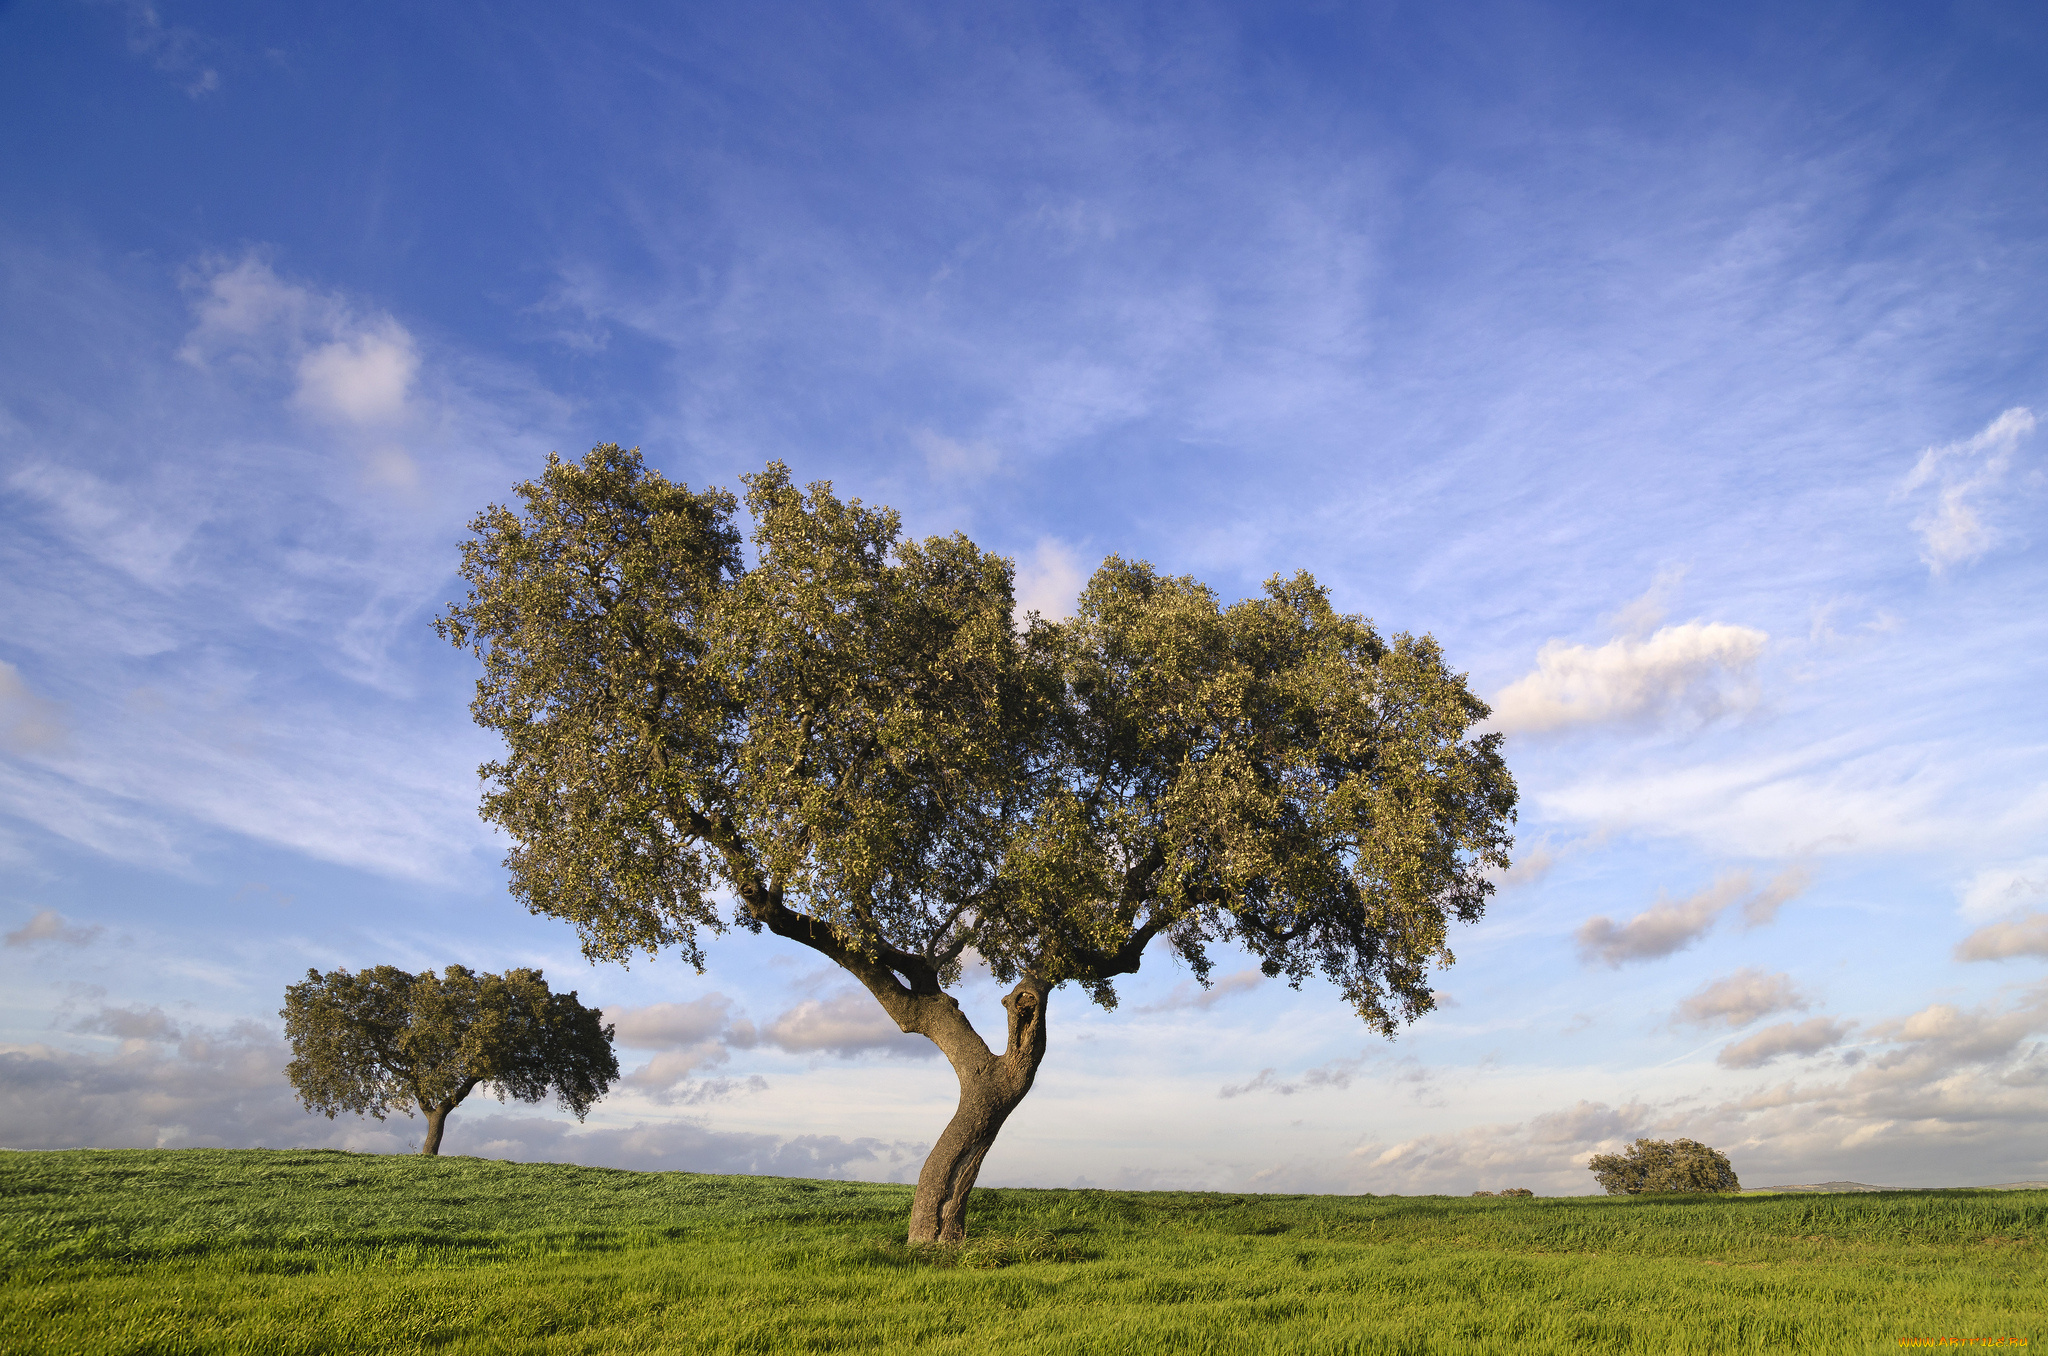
(1741, 998)
(688, 1145)
(1959, 525)
(1809, 1037)
(845, 1024)
(703, 1032)
(50, 926)
(130, 1024)
(1701, 668)
(361, 377)
(1673, 924)
(1192, 995)
(351, 367)
(1543, 1150)
(197, 1089)
(667, 1026)
(1955, 1100)
(689, 1037)
(1049, 581)
(2027, 936)
(28, 723)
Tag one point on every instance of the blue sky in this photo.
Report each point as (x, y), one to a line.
(1677, 367)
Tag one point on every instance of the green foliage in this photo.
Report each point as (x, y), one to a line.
(1664, 1167)
(853, 737)
(235, 1251)
(384, 1039)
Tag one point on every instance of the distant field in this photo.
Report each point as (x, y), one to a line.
(260, 1251)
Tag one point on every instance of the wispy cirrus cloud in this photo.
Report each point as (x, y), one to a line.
(28, 723)
(1962, 522)
(50, 926)
(1993, 890)
(1190, 995)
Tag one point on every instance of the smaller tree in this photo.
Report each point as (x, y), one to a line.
(1655, 1167)
(386, 1040)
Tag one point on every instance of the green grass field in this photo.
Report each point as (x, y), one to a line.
(296, 1251)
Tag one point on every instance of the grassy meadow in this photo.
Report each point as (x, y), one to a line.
(303, 1251)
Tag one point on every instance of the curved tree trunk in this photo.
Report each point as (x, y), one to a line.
(437, 1116)
(991, 1085)
(990, 1089)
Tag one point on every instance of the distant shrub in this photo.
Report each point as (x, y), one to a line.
(1517, 1191)
(1656, 1167)
(1482, 1193)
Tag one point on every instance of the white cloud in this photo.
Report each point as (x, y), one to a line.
(1673, 924)
(1049, 582)
(667, 1026)
(1192, 995)
(1335, 1075)
(1542, 1151)
(1638, 617)
(1761, 908)
(2000, 889)
(172, 48)
(362, 377)
(692, 1036)
(1529, 866)
(950, 460)
(1741, 998)
(1701, 668)
(2027, 936)
(1809, 1037)
(846, 1024)
(1954, 1101)
(1840, 794)
(28, 723)
(50, 926)
(1958, 526)
(130, 1024)
(345, 365)
(688, 1144)
(226, 1089)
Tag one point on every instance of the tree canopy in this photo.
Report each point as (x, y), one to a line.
(1652, 1167)
(854, 739)
(384, 1039)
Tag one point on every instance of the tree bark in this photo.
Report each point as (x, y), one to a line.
(437, 1117)
(990, 1089)
(991, 1085)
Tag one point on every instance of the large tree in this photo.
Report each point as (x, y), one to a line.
(383, 1039)
(1656, 1167)
(854, 739)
